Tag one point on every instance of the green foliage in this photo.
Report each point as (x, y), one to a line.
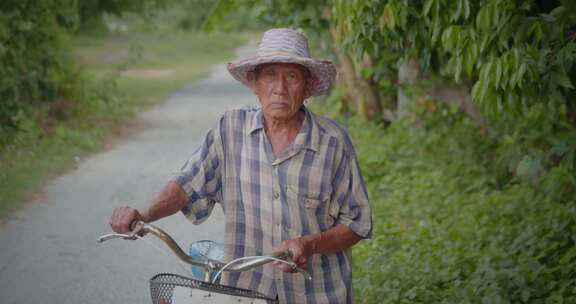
(90, 12)
(40, 79)
(273, 13)
(117, 81)
(498, 44)
(34, 66)
(447, 230)
(212, 16)
(521, 78)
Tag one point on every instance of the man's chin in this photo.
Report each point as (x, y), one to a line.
(280, 114)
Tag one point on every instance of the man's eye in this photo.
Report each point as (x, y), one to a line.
(292, 77)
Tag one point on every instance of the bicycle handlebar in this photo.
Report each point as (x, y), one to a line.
(140, 228)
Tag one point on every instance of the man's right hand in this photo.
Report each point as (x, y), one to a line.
(122, 218)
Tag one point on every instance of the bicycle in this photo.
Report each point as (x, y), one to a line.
(173, 288)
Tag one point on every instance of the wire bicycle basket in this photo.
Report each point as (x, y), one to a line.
(163, 285)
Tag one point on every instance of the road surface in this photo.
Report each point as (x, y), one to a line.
(49, 252)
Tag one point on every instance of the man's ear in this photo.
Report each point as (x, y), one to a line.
(311, 83)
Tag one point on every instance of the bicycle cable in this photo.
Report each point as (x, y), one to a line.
(165, 252)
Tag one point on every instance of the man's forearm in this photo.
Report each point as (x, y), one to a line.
(169, 201)
(337, 238)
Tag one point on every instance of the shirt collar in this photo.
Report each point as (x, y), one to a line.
(308, 137)
(256, 123)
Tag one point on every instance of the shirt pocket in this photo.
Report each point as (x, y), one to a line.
(313, 209)
(309, 199)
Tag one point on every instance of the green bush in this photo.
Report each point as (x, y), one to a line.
(35, 67)
(448, 229)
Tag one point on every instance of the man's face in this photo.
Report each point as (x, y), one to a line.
(281, 88)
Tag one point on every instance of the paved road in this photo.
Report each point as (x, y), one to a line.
(48, 249)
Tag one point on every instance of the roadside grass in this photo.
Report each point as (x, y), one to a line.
(148, 67)
(447, 227)
(118, 76)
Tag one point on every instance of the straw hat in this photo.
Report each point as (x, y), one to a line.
(284, 45)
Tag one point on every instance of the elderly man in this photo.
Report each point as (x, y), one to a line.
(285, 178)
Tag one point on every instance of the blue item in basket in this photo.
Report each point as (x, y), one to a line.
(203, 250)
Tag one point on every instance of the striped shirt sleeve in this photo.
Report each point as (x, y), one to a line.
(350, 194)
(201, 177)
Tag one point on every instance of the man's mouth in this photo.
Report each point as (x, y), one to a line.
(279, 104)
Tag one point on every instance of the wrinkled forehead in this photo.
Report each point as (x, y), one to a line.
(282, 66)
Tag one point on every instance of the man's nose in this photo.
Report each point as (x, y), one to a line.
(280, 86)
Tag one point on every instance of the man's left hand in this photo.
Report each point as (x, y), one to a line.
(300, 250)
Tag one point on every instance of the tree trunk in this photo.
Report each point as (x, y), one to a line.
(360, 92)
(408, 74)
(370, 90)
(572, 118)
(459, 94)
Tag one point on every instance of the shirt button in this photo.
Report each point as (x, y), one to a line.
(276, 195)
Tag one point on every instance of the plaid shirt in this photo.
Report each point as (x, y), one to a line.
(314, 185)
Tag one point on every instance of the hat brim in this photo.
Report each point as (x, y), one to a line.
(323, 72)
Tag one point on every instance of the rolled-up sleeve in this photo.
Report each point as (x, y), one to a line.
(201, 177)
(350, 195)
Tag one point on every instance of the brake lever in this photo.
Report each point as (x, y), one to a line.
(287, 256)
(137, 228)
(111, 236)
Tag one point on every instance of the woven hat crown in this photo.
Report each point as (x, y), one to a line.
(283, 42)
(284, 45)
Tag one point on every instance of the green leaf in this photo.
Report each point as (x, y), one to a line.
(529, 167)
(476, 89)
(469, 60)
(484, 93)
(427, 7)
(516, 58)
(561, 78)
(466, 9)
(390, 15)
(475, 51)
(497, 73)
(458, 11)
(218, 13)
(484, 43)
(458, 68)
(494, 14)
(525, 295)
(485, 73)
(490, 102)
(483, 19)
(436, 28)
(507, 73)
(519, 77)
(447, 38)
(536, 31)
